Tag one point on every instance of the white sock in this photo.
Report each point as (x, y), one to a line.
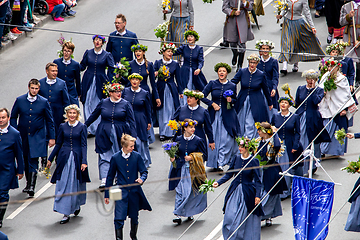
(284, 66)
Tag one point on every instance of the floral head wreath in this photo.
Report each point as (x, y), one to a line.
(286, 99)
(224, 65)
(139, 47)
(310, 74)
(253, 57)
(336, 46)
(191, 123)
(191, 93)
(167, 46)
(192, 32)
(72, 106)
(264, 130)
(100, 37)
(260, 43)
(245, 142)
(135, 75)
(112, 87)
(331, 63)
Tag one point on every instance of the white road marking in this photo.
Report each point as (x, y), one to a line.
(215, 231)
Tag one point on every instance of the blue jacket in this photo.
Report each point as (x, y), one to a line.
(349, 70)
(120, 46)
(35, 124)
(11, 159)
(271, 70)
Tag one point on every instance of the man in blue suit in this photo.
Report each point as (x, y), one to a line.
(11, 159)
(35, 123)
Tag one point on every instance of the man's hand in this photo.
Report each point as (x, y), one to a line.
(139, 180)
(212, 146)
(106, 200)
(20, 176)
(272, 94)
(158, 102)
(51, 142)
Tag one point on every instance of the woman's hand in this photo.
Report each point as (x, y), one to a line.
(257, 201)
(350, 135)
(165, 11)
(274, 129)
(343, 113)
(313, 31)
(83, 167)
(196, 72)
(273, 92)
(278, 16)
(228, 99)
(172, 159)
(149, 126)
(48, 165)
(270, 107)
(106, 200)
(293, 150)
(351, 13)
(212, 146)
(181, 95)
(158, 102)
(156, 73)
(237, 13)
(215, 184)
(215, 106)
(139, 180)
(188, 158)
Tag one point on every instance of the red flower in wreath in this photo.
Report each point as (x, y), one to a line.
(332, 63)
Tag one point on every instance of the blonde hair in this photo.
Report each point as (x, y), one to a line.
(75, 107)
(126, 138)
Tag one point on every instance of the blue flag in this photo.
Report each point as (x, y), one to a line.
(311, 202)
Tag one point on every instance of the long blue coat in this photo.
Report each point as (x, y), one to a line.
(217, 89)
(255, 86)
(120, 114)
(95, 66)
(126, 172)
(58, 97)
(70, 139)
(11, 159)
(120, 46)
(70, 73)
(348, 69)
(140, 102)
(271, 70)
(35, 123)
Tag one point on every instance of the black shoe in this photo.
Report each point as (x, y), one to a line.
(177, 220)
(190, 218)
(162, 138)
(33, 176)
(0, 224)
(357, 84)
(295, 69)
(234, 59)
(268, 222)
(224, 45)
(65, 219)
(314, 170)
(283, 72)
(24, 29)
(77, 212)
(2, 214)
(119, 234)
(64, 15)
(43, 162)
(26, 189)
(71, 13)
(133, 231)
(329, 38)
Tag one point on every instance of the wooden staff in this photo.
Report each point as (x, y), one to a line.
(353, 20)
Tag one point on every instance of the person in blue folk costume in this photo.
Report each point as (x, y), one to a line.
(243, 194)
(270, 67)
(190, 167)
(3, 236)
(270, 172)
(223, 117)
(95, 62)
(69, 71)
(126, 165)
(140, 102)
(190, 70)
(55, 91)
(310, 118)
(289, 134)
(145, 68)
(11, 160)
(253, 98)
(167, 70)
(71, 173)
(35, 125)
(117, 118)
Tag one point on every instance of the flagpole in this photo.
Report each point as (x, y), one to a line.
(311, 160)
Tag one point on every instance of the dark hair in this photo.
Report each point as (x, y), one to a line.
(186, 120)
(5, 110)
(122, 16)
(34, 81)
(51, 64)
(69, 45)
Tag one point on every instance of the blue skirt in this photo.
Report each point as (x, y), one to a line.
(151, 134)
(143, 148)
(247, 122)
(353, 220)
(334, 147)
(235, 213)
(190, 86)
(271, 206)
(284, 164)
(225, 145)
(69, 183)
(187, 202)
(104, 158)
(165, 113)
(91, 102)
(178, 26)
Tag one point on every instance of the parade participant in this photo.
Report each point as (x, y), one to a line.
(253, 98)
(71, 173)
(117, 118)
(270, 172)
(332, 14)
(335, 103)
(270, 67)
(127, 165)
(121, 40)
(190, 167)
(223, 117)
(181, 20)
(167, 89)
(237, 28)
(140, 102)
(310, 118)
(95, 62)
(243, 194)
(35, 125)
(294, 26)
(69, 71)
(290, 136)
(11, 160)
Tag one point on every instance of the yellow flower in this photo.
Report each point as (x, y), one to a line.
(173, 125)
(286, 92)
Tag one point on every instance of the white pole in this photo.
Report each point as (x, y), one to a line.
(311, 160)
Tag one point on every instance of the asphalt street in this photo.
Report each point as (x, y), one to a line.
(27, 59)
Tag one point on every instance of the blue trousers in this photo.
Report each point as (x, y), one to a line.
(3, 9)
(120, 223)
(58, 10)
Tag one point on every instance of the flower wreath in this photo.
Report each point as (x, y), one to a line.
(311, 74)
(286, 99)
(139, 47)
(245, 142)
(192, 93)
(135, 75)
(264, 130)
(224, 65)
(72, 106)
(331, 63)
(100, 37)
(167, 46)
(111, 87)
(192, 32)
(191, 123)
(336, 46)
(260, 43)
(253, 57)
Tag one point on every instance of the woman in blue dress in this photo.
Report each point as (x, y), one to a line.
(223, 117)
(71, 173)
(310, 118)
(270, 172)
(270, 67)
(167, 88)
(117, 118)
(192, 149)
(95, 62)
(140, 102)
(253, 98)
(243, 195)
(290, 136)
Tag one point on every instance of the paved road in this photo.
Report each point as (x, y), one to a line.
(27, 60)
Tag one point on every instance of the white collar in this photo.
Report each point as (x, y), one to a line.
(73, 125)
(224, 82)
(30, 98)
(286, 114)
(115, 101)
(252, 72)
(121, 33)
(189, 138)
(192, 47)
(140, 63)
(5, 130)
(66, 62)
(193, 108)
(356, 5)
(50, 81)
(138, 90)
(125, 155)
(99, 52)
(167, 62)
(247, 157)
(264, 59)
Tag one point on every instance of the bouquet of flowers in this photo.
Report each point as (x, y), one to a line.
(286, 89)
(352, 167)
(46, 172)
(329, 83)
(171, 149)
(165, 4)
(208, 1)
(164, 72)
(62, 41)
(121, 70)
(280, 6)
(207, 186)
(162, 30)
(228, 93)
(340, 135)
(174, 125)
